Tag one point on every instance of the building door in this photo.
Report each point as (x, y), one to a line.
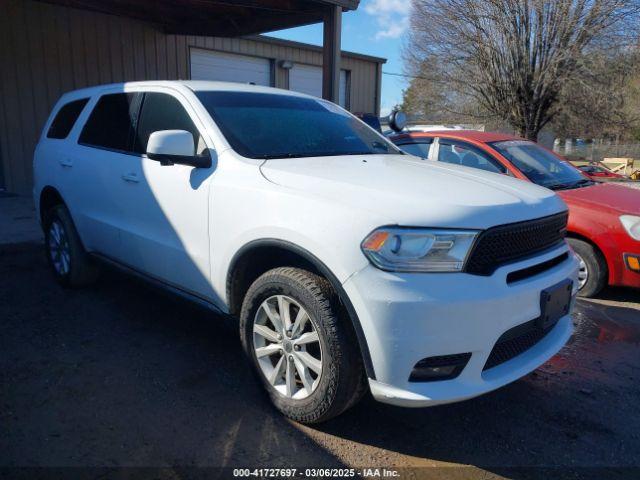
(230, 67)
(308, 79)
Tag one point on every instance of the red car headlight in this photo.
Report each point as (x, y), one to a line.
(631, 224)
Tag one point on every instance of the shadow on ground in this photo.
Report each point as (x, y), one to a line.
(121, 374)
(619, 296)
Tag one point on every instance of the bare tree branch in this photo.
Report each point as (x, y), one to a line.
(513, 58)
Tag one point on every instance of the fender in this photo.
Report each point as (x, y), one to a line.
(325, 272)
(601, 241)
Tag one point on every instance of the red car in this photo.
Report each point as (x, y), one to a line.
(597, 172)
(604, 218)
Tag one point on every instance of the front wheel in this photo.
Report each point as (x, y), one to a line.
(592, 275)
(302, 347)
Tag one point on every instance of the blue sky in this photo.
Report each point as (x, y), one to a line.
(376, 28)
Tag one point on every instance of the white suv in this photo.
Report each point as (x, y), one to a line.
(349, 264)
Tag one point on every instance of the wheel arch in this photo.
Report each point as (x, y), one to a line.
(259, 256)
(49, 197)
(600, 250)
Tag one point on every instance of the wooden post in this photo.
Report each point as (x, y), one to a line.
(378, 98)
(332, 30)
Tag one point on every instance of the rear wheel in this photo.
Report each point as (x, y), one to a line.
(67, 258)
(303, 349)
(592, 275)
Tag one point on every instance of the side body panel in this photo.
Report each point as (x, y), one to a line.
(246, 207)
(165, 214)
(82, 177)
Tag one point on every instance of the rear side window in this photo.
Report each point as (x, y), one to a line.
(66, 118)
(418, 149)
(461, 153)
(162, 112)
(111, 123)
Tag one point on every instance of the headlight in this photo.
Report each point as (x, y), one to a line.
(631, 224)
(418, 249)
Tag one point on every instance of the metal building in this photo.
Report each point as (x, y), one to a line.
(48, 48)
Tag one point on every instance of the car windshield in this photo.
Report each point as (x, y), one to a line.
(264, 125)
(541, 166)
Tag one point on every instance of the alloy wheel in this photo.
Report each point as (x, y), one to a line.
(583, 272)
(59, 250)
(287, 347)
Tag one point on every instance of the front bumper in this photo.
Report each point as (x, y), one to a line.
(407, 317)
(626, 275)
(616, 245)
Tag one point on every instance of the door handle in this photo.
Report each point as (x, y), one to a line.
(130, 177)
(66, 162)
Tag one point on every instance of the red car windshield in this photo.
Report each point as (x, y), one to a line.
(539, 165)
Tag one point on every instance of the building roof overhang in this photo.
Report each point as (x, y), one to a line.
(221, 18)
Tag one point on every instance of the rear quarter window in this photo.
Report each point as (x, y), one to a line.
(66, 118)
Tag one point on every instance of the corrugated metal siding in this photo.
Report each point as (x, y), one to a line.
(46, 50)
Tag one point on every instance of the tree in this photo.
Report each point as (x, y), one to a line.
(426, 98)
(603, 100)
(512, 58)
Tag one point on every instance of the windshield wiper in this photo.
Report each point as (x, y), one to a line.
(584, 182)
(362, 153)
(558, 186)
(315, 154)
(283, 155)
(567, 186)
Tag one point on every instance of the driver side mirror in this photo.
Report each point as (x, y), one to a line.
(171, 147)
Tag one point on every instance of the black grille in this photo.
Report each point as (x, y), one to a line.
(515, 341)
(504, 244)
(536, 269)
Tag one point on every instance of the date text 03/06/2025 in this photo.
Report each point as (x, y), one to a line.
(315, 473)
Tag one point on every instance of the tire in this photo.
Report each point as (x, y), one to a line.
(340, 384)
(71, 266)
(595, 265)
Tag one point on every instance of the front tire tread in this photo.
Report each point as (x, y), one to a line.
(343, 370)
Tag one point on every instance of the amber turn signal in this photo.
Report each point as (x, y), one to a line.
(375, 241)
(633, 262)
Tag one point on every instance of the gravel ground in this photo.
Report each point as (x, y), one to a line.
(123, 375)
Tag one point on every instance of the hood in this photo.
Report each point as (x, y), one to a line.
(605, 196)
(408, 191)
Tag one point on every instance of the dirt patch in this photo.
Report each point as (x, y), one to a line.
(121, 375)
